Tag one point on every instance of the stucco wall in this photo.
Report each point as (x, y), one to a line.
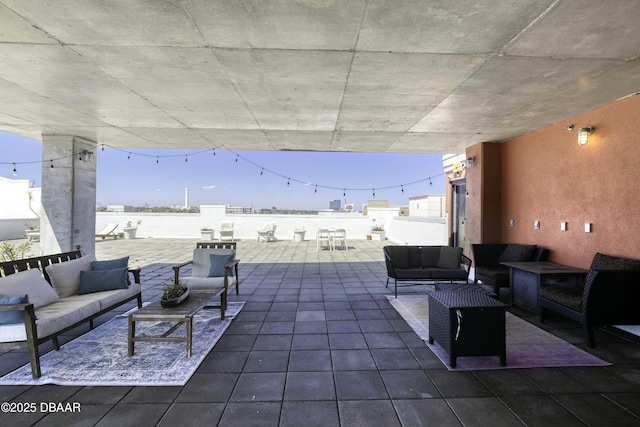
(548, 177)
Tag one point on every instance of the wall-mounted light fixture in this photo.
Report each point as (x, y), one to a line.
(583, 134)
(468, 162)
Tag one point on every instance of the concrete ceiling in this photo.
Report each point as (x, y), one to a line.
(323, 75)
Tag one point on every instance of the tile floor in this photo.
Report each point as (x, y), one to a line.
(318, 344)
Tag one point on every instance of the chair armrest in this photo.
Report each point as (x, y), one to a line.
(136, 274)
(466, 263)
(176, 270)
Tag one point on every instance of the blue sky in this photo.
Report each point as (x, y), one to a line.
(259, 179)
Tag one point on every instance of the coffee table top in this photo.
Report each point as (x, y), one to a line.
(194, 302)
(544, 267)
(465, 299)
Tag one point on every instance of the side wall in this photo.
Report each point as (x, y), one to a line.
(548, 177)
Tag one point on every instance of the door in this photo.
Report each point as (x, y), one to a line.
(459, 197)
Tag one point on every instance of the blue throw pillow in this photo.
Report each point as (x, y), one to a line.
(218, 262)
(111, 265)
(102, 280)
(13, 316)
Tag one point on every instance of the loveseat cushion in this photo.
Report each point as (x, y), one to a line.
(449, 257)
(65, 276)
(413, 273)
(30, 282)
(517, 253)
(102, 280)
(447, 273)
(13, 316)
(429, 256)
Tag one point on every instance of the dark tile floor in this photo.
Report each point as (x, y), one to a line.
(317, 343)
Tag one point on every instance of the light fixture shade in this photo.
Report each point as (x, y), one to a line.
(583, 134)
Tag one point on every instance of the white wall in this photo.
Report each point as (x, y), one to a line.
(401, 230)
(15, 214)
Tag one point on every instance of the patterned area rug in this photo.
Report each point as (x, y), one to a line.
(99, 357)
(527, 345)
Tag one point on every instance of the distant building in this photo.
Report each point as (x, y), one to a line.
(378, 203)
(335, 205)
(119, 208)
(428, 205)
(237, 210)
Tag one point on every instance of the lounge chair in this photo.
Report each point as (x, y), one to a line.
(108, 231)
(267, 233)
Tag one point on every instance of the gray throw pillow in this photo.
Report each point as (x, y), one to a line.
(32, 283)
(65, 276)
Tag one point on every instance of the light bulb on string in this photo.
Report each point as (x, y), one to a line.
(344, 192)
(261, 171)
(157, 160)
(374, 193)
(214, 152)
(430, 183)
(402, 189)
(129, 156)
(316, 189)
(288, 182)
(102, 147)
(51, 163)
(186, 159)
(237, 158)
(79, 156)
(15, 171)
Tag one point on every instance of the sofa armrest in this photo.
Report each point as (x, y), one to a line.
(136, 274)
(466, 264)
(176, 270)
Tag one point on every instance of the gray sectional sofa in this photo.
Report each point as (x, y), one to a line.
(425, 264)
(43, 297)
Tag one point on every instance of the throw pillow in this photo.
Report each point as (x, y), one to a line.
(111, 265)
(202, 264)
(102, 280)
(30, 282)
(450, 257)
(517, 253)
(65, 276)
(13, 316)
(399, 256)
(217, 264)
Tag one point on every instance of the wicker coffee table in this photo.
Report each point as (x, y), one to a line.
(467, 323)
(182, 314)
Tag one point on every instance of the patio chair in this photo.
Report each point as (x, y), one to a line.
(339, 239)
(214, 269)
(267, 233)
(108, 231)
(323, 236)
(226, 230)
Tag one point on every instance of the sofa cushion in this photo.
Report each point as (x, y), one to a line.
(13, 316)
(399, 256)
(413, 273)
(446, 273)
(218, 262)
(102, 280)
(517, 253)
(429, 256)
(494, 274)
(450, 257)
(112, 264)
(30, 282)
(65, 276)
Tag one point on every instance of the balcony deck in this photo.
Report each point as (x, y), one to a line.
(323, 317)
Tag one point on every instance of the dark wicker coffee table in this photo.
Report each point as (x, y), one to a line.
(467, 323)
(182, 314)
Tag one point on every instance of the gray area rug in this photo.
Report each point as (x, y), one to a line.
(527, 345)
(99, 357)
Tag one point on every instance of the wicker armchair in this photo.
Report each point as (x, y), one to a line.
(610, 296)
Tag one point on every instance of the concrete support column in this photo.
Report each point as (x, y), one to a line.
(68, 194)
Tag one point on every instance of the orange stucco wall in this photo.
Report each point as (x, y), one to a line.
(548, 177)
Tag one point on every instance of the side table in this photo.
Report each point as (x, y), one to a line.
(467, 323)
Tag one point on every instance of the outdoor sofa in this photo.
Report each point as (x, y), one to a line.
(425, 264)
(488, 256)
(43, 297)
(610, 296)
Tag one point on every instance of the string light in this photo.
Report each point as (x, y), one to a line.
(238, 156)
(15, 171)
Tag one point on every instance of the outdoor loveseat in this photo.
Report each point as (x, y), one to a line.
(610, 296)
(488, 256)
(425, 264)
(43, 297)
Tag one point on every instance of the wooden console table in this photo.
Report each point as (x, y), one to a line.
(525, 279)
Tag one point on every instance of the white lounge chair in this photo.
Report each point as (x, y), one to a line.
(226, 230)
(267, 233)
(339, 239)
(323, 236)
(108, 230)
